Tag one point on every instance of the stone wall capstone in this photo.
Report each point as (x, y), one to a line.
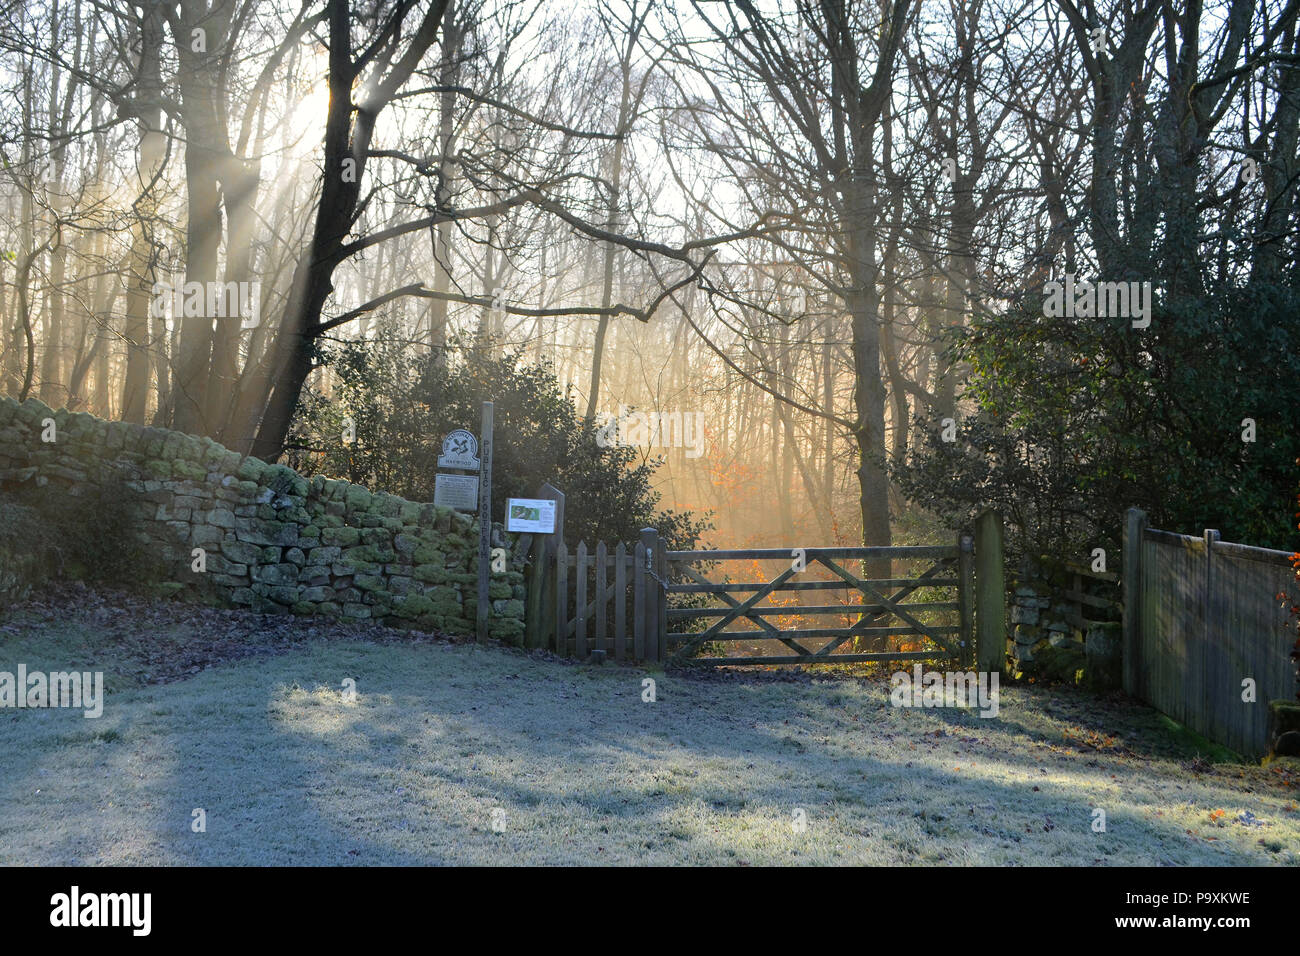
(272, 540)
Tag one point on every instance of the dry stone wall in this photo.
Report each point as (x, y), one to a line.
(270, 539)
(1044, 628)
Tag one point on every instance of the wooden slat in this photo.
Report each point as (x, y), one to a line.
(591, 561)
(895, 608)
(580, 598)
(1091, 600)
(620, 602)
(1188, 541)
(797, 609)
(835, 659)
(732, 588)
(924, 580)
(919, 552)
(797, 634)
(602, 598)
(661, 636)
(1250, 553)
(562, 600)
(638, 605)
(738, 611)
(766, 626)
(590, 609)
(1087, 571)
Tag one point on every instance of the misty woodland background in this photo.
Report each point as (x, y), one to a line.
(826, 228)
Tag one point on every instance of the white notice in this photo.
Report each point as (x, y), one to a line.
(456, 491)
(535, 515)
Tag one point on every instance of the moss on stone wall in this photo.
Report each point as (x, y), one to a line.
(272, 540)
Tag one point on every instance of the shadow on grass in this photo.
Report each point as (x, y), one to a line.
(288, 772)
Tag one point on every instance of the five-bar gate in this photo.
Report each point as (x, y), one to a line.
(879, 606)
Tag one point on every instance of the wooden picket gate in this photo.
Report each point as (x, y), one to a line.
(602, 601)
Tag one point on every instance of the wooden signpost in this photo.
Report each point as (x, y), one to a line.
(990, 594)
(484, 524)
(462, 452)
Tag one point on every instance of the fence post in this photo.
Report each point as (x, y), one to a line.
(535, 627)
(965, 584)
(483, 617)
(645, 578)
(546, 617)
(1209, 627)
(990, 594)
(1135, 523)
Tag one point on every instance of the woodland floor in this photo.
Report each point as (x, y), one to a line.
(244, 717)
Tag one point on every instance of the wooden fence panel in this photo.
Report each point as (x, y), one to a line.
(1205, 619)
(1173, 625)
(1250, 626)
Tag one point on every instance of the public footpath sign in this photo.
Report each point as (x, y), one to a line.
(484, 522)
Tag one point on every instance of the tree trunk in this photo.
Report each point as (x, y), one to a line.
(141, 271)
(440, 235)
(612, 220)
(239, 184)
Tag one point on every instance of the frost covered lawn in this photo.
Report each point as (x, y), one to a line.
(251, 724)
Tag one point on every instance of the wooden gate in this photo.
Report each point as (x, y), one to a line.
(643, 602)
(879, 606)
(602, 601)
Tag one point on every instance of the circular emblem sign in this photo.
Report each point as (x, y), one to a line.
(459, 450)
(460, 444)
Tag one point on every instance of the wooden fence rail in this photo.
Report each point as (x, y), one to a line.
(1202, 625)
(1085, 607)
